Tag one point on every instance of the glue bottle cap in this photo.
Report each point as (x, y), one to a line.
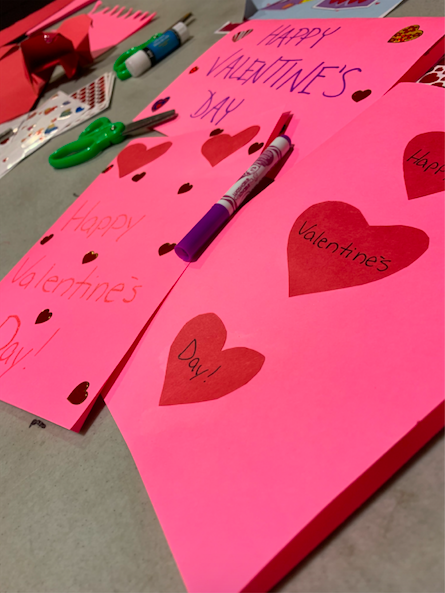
(138, 63)
(182, 31)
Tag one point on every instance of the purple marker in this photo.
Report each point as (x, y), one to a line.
(218, 214)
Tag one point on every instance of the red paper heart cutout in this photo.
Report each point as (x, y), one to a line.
(198, 369)
(136, 156)
(332, 246)
(424, 165)
(218, 148)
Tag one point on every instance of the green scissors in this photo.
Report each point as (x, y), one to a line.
(101, 134)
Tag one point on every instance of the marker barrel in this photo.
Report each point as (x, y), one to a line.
(218, 214)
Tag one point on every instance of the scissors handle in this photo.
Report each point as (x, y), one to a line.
(93, 140)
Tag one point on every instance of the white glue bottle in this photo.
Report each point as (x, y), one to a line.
(157, 50)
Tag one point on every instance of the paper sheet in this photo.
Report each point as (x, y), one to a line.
(316, 321)
(328, 9)
(326, 72)
(73, 305)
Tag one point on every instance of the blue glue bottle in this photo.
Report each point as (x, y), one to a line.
(157, 50)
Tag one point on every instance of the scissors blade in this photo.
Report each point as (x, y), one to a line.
(142, 125)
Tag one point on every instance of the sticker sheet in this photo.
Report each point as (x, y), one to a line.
(76, 301)
(326, 72)
(38, 127)
(300, 361)
(97, 95)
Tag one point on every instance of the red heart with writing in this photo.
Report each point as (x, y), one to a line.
(136, 156)
(198, 369)
(218, 148)
(424, 165)
(332, 246)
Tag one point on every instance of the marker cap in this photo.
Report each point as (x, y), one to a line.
(182, 32)
(138, 63)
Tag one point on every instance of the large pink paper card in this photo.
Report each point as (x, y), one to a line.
(325, 71)
(76, 301)
(299, 362)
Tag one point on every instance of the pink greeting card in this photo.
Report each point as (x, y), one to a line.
(76, 301)
(300, 361)
(326, 71)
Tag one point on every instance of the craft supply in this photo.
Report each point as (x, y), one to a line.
(307, 9)
(157, 50)
(97, 95)
(38, 127)
(6, 134)
(104, 267)
(101, 134)
(325, 73)
(111, 26)
(337, 406)
(220, 212)
(64, 13)
(120, 68)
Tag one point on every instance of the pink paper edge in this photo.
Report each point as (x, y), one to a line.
(348, 502)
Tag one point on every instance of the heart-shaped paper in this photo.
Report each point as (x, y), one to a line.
(406, 34)
(198, 369)
(332, 246)
(218, 148)
(424, 165)
(136, 156)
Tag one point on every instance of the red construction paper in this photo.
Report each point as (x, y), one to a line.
(25, 69)
(424, 165)
(197, 359)
(21, 27)
(219, 147)
(332, 246)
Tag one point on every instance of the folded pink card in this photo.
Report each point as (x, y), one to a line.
(76, 301)
(326, 71)
(300, 361)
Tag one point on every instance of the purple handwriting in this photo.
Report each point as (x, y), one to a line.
(287, 34)
(216, 110)
(290, 74)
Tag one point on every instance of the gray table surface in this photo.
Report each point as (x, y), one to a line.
(75, 516)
